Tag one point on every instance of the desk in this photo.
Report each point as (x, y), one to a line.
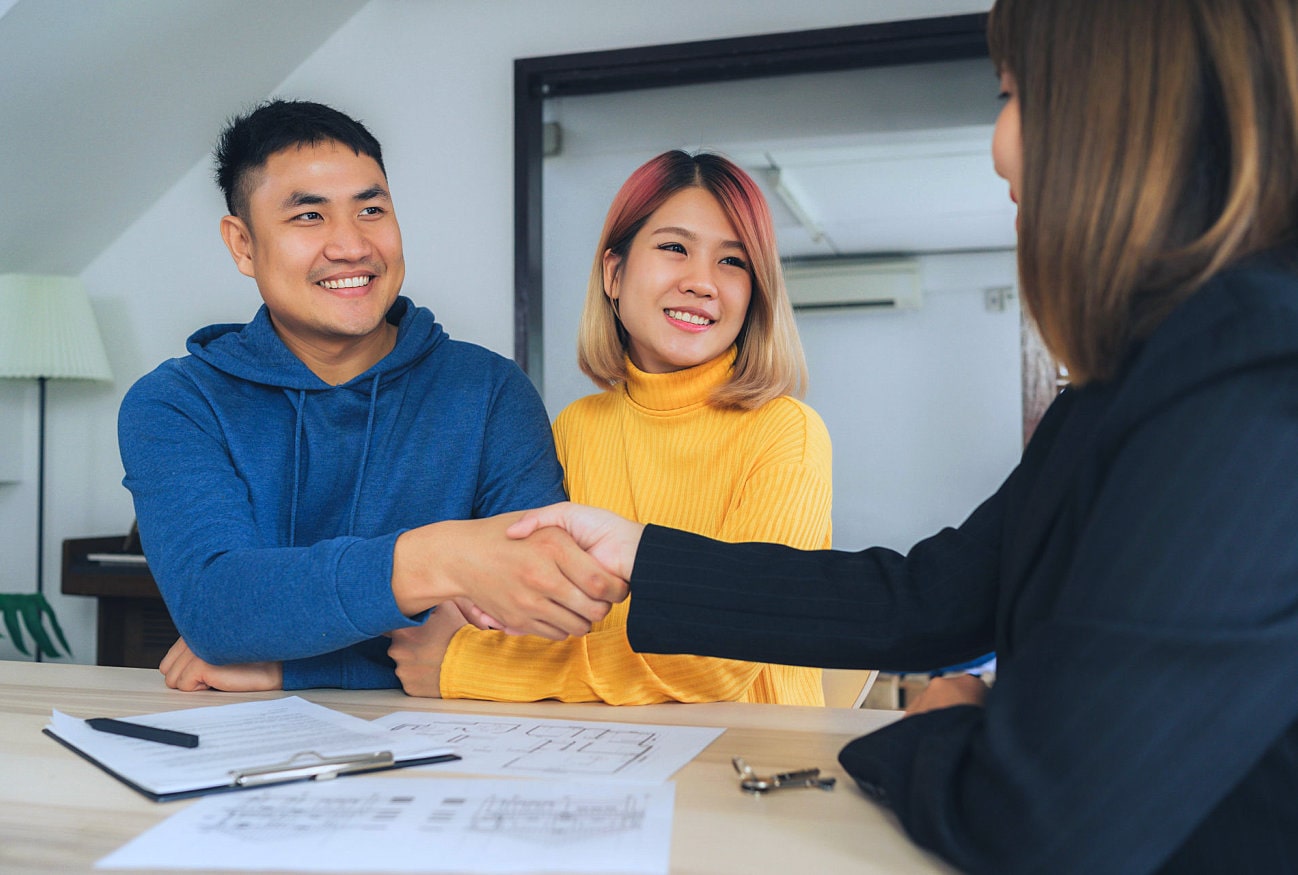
(61, 814)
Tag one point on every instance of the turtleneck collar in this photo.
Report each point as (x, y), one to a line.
(678, 390)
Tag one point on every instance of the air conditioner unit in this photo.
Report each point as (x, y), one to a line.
(854, 282)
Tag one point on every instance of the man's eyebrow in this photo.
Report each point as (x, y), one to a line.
(303, 199)
(372, 193)
(300, 199)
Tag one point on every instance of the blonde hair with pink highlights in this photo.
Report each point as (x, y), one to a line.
(770, 362)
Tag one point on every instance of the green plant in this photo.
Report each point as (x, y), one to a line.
(31, 610)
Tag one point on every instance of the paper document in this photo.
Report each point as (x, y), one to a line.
(393, 824)
(522, 747)
(237, 738)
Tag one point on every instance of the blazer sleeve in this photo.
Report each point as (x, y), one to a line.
(931, 607)
(1158, 688)
(1160, 681)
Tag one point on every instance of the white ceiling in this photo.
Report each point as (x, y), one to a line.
(105, 105)
(882, 160)
(922, 191)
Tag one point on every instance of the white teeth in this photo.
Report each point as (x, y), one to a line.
(689, 317)
(352, 282)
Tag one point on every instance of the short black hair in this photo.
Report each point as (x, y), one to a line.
(250, 139)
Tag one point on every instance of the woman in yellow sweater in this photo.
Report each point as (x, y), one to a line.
(688, 331)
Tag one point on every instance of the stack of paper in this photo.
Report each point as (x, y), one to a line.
(607, 806)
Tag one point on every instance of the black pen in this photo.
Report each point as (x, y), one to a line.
(139, 730)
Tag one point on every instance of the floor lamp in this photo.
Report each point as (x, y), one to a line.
(47, 332)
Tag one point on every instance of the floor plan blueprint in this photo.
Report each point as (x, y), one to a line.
(524, 747)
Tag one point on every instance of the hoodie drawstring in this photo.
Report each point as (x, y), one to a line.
(297, 468)
(365, 455)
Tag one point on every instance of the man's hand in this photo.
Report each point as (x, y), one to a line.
(946, 692)
(609, 538)
(183, 670)
(418, 652)
(540, 584)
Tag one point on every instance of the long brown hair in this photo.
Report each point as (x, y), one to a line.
(770, 362)
(1160, 143)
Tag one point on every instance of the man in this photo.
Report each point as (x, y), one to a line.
(314, 479)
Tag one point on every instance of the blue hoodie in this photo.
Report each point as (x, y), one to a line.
(269, 502)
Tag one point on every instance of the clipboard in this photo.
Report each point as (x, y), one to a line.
(314, 768)
(164, 773)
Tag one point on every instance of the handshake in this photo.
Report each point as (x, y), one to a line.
(552, 572)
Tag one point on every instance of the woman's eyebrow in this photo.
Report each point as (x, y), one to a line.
(676, 231)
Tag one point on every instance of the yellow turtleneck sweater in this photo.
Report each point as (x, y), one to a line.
(655, 451)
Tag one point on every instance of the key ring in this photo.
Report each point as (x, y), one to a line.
(751, 782)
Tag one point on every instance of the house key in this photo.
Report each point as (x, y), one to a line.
(752, 782)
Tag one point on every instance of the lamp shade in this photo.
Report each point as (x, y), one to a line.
(47, 329)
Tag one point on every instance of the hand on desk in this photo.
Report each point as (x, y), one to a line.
(535, 583)
(419, 651)
(947, 692)
(183, 670)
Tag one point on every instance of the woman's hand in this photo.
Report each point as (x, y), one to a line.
(607, 537)
(182, 670)
(947, 692)
(419, 651)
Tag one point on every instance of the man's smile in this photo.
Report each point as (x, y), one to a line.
(351, 282)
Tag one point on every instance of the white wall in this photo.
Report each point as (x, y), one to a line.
(434, 82)
(923, 406)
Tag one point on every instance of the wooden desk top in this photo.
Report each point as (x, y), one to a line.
(61, 814)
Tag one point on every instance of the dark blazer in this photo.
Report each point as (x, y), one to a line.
(1137, 577)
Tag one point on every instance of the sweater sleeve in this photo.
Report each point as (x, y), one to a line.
(786, 498)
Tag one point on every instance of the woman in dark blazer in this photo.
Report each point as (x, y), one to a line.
(1137, 573)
